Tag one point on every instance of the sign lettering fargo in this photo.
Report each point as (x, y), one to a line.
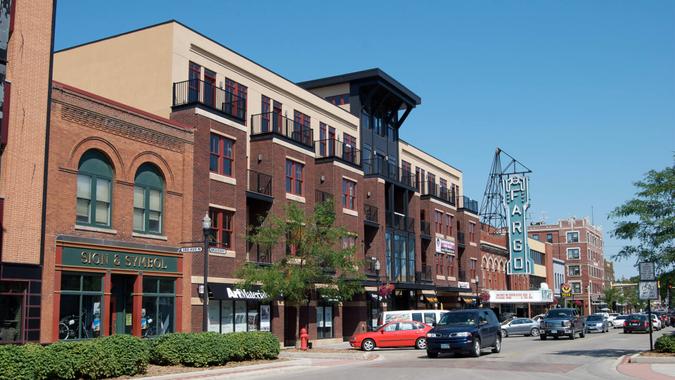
(97, 258)
(516, 202)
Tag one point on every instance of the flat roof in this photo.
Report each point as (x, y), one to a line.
(363, 74)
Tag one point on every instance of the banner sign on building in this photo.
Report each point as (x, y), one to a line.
(444, 246)
(521, 296)
(516, 202)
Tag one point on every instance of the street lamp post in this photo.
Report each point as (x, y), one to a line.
(377, 274)
(477, 286)
(206, 227)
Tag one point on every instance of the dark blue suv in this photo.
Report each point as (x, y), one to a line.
(465, 331)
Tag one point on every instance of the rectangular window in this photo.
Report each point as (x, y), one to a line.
(235, 99)
(450, 222)
(210, 88)
(349, 148)
(417, 179)
(324, 322)
(549, 238)
(443, 188)
(572, 253)
(194, 77)
(573, 237)
(158, 306)
(221, 225)
(348, 194)
(222, 155)
(265, 113)
(574, 270)
(431, 184)
(83, 199)
(294, 177)
(81, 307)
(535, 237)
(438, 221)
(301, 128)
(576, 287)
(472, 231)
(322, 139)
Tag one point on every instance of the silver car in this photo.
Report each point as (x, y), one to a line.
(520, 326)
(598, 323)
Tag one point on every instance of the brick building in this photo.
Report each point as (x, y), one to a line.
(580, 245)
(26, 39)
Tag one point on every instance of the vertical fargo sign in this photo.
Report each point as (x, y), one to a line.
(516, 202)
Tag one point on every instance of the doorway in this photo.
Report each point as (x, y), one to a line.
(121, 304)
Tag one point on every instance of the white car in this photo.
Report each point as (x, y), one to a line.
(612, 316)
(656, 322)
(617, 322)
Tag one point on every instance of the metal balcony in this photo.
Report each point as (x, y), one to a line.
(260, 184)
(275, 124)
(198, 92)
(329, 149)
(370, 214)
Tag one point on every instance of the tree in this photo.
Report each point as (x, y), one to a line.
(320, 258)
(613, 296)
(648, 220)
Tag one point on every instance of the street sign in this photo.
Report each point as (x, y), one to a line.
(647, 271)
(221, 251)
(565, 290)
(648, 290)
(189, 249)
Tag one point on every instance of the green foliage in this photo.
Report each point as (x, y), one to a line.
(613, 295)
(204, 349)
(648, 220)
(665, 343)
(321, 262)
(92, 359)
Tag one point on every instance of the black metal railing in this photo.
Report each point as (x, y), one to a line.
(461, 276)
(259, 255)
(401, 222)
(196, 91)
(276, 123)
(259, 183)
(425, 227)
(334, 148)
(470, 204)
(460, 237)
(322, 196)
(381, 167)
(442, 193)
(370, 213)
(424, 275)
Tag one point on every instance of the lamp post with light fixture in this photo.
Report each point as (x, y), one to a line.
(377, 274)
(206, 227)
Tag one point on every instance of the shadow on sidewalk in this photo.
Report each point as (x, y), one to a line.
(599, 353)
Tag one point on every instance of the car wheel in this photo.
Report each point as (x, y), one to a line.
(368, 345)
(432, 354)
(505, 333)
(421, 343)
(476, 348)
(626, 331)
(582, 334)
(534, 332)
(556, 337)
(498, 346)
(542, 337)
(573, 335)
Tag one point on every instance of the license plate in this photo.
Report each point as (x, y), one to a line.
(633, 324)
(554, 331)
(445, 345)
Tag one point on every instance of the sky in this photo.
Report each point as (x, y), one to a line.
(582, 92)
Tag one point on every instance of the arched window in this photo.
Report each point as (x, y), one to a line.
(94, 190)
(148, 200)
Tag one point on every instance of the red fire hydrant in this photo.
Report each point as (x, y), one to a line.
(304, 338)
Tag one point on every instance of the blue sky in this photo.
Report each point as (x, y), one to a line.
(582, 92)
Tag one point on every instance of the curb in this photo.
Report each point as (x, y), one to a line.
(330, 355)
(236, 371)
(652, 359)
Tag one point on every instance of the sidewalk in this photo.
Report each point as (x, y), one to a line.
(647, 368)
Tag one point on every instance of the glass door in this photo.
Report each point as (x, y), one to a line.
(121, 304)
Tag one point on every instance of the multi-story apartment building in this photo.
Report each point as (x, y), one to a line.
(580, 245)
(262, 141)
(26, 40)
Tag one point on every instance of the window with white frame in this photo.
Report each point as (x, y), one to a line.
(572, 253)
(574, 270)
(573, 237)
(576, 287)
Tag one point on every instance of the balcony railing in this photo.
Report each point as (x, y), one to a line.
(277, 124)
(424, 275)
(470, 204)
(442, 193)
(259, 183)
(333, 148)
(370, 213)
(259, 255)
(196, 91)
(322, 196)
(425, 228)
(388, 170)
(401, 222)
(462, 276)
(460, 238)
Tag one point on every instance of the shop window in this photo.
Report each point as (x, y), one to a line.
(11, 311)
(148, 200)
(324, 322)
(80, 307)
(226, 316)
(158, 313)
(222, 226)
(94, 188)
(348, 194)
(222, 155)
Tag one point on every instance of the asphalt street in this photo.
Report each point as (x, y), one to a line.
(593, 357)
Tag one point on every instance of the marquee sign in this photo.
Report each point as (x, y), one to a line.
(444, 245)
(521, 296)
(516, 203)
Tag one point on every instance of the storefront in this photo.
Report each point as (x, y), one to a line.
(107, 290)
(234, 310)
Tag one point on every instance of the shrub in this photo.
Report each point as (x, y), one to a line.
(665, 343)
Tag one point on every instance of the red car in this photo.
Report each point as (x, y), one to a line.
(393, 334)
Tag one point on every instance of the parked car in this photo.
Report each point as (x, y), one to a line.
(602, 313)
(466, 331)
(636, 322)
(430, 317)
(656, 322)
(520, 326)
(537, 318)
(562, 321)
(393, 334)
(617, 323)
(612, 316)
(665, 319)
(597, 322)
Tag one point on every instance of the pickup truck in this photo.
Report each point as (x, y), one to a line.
(559, 322)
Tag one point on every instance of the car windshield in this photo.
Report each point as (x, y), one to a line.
(639, 317)
(559, 314)
(622, 317)
(458, 319)
(594, 318)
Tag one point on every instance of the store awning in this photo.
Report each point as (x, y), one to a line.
(427, 292)
(432, 299)
(468, 300)
(227, 291)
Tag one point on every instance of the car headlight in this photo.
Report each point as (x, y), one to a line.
(432, 335)
(567, 323)
(463, 334)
